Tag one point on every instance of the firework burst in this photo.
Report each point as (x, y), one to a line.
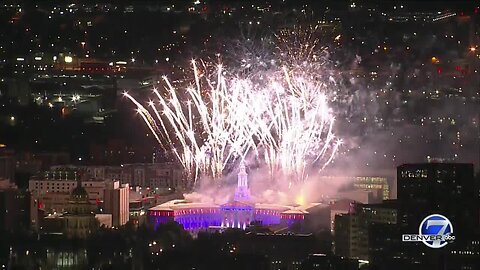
(221, 119)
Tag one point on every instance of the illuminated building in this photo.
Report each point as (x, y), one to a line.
(116, 202)
(371, 183)
(367, 189)
(438, 188)
(338, 208)
(466, 255)
(79, 220)
(448, 189)
(65, 259)
(238, 213)
(363, 196)
(104, 220)
(351, 232)
(50, 192)
(153, 175)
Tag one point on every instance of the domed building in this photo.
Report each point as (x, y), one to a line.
(79, 220)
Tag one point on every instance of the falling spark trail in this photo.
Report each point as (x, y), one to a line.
(221, 119)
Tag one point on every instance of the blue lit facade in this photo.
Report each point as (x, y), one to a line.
(239, 213)
(197, 217)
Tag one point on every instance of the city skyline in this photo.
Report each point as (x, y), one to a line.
(239, 134)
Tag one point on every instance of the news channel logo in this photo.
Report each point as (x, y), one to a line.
(435, 231)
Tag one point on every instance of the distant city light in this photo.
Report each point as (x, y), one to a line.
(68, 59)
(20, 59)
(38, 58)
(133, 60)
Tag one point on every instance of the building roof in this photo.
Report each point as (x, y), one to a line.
(295, 211)
(238, 203)
(309, 206)
(178, 204)
(342, 204)
(271, 206)
(79, 191)
(194, 205)
(79, 195)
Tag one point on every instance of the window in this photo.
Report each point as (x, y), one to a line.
(419, 173)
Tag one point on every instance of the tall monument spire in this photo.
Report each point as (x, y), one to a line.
(242, 176)
(242, 193)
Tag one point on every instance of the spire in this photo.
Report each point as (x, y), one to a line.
(242, 193)
(78, 175)
(242, 177)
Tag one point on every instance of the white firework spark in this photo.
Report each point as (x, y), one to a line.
(302, 122)
(221, 119)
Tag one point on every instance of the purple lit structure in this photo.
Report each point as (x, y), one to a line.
(238, 213)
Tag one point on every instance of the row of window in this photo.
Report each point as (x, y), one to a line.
(62, 183)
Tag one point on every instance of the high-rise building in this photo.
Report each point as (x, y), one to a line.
(337, 208)
(438, 188)
(360, 195)
(372, 188)
(116, 202)
(344, 235)
(351, 238)
(376, 184)
(448, 189)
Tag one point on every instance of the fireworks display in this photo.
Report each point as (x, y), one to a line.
(220, 120)
(279, 115)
